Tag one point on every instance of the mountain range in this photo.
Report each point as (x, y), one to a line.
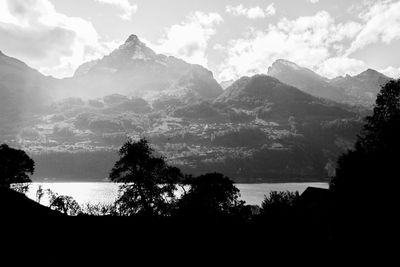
(360, 89)
(289, 125)
(136, 70)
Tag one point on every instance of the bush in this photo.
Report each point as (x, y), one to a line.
(279, 203)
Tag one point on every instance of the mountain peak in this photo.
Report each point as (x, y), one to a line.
(261, 89)
(369, 72)
(132, 39)
(286, 63)
(282, 65)
(285, 67)
(133, 42)
(282, 60)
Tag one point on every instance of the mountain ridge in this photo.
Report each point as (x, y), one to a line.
(360, 89)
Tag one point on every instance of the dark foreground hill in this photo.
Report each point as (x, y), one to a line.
(306, 233)
(204, 236)
(14, 205)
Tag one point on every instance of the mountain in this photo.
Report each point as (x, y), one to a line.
(276, 100)
(308, 81)
(259, 129)
(196, 85)
(360, 89)
(226, 84)
(23, 91)
(364, 86)
(134, 69)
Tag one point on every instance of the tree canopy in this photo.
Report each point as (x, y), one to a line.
(372, 166)
(149, 183)
(211, 194)
(15, 166)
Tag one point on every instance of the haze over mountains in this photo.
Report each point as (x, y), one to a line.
(23, 90)
(289, 125)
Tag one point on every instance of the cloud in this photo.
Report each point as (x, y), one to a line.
(189, 39)
(337, 66)
(33, 31)
(313, 1)
(391, 72)
(251, 12)
(309, 41)
(124, 5)
(381, 24)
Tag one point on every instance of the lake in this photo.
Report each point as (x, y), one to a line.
(106, 193)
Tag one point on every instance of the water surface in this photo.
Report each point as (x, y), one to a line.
(106, 193)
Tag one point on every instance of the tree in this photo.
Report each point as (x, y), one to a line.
(371, 168)
(280, 202)
(64, 204)
(365, 188)
(15, 166)
(210, 195)
(278, 212)
(39, 193)
(149, 183)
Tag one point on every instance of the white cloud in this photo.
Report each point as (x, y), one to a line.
(391, 72)
(337, 66)
(124, 5)
(309, 41)
(33, 31)
(251, 12)
(313, 1)
(189, 39)
(382, 24)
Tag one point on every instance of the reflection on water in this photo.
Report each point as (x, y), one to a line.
(106, 193)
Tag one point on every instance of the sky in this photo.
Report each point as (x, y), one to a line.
(232, 38)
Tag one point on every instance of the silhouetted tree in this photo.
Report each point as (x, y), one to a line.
(64, 204)
(372, 166)
(149, 184)
(39, 193)
(210, 195)
(99, 209)
(365, 188)
(279, 201)
(15, 166)
(278, 212)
